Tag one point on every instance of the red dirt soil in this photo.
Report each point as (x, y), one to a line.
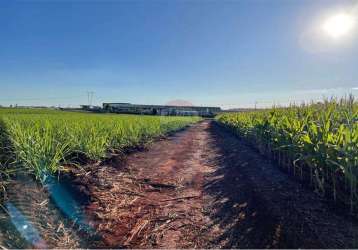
(205, 188)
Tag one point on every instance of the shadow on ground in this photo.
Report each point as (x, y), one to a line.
(258, 206)
(237, 208)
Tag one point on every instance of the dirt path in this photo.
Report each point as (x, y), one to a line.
(205, 188)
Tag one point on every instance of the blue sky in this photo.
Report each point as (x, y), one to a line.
(219, 53)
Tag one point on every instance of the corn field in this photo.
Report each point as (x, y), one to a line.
(40, 141)
(317, 143)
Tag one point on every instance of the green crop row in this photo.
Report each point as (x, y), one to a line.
(317, 143)
(42, 140)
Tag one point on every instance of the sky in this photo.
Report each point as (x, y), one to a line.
(215, 53)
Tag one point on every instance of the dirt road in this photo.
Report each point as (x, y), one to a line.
(204, 188)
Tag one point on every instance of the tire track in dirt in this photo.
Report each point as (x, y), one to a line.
(157, 199)
(204, 188)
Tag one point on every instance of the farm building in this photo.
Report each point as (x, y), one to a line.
(129, 108)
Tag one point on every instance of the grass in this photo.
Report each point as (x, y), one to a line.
(40, 140)
(317, 142)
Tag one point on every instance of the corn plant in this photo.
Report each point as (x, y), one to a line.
(320, 139)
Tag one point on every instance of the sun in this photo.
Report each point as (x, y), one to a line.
(339, 25)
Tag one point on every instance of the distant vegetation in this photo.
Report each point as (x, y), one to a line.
(317, 143)
(40, 140)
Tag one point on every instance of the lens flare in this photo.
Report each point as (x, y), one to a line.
(339, 25)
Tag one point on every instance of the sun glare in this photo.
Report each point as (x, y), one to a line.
(339, 25)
